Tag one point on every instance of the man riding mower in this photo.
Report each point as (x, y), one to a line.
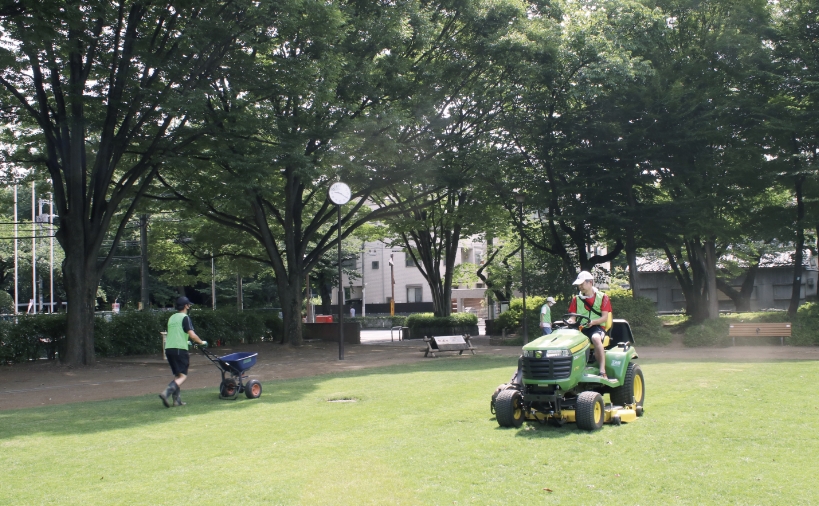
(558, 379)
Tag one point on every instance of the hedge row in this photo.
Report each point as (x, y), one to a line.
(130, 333)
(640, 314)
(430, 320)
(715, 332)
(377, 322)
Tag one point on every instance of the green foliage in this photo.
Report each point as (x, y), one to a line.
(419, 320)
(6, 302)
(32, 337)
(512, 319)
(715, 332)
(130, 332)
(378, 322)
(230, 326)
(708, 333)
(642, 317)
(640, 313)
(803, 330)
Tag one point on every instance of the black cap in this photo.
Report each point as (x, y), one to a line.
(181, 302)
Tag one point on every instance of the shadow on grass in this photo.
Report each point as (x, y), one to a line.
(116, 414)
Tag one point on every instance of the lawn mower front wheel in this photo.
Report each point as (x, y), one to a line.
(253, 389)
(509, 408)
(590, 411)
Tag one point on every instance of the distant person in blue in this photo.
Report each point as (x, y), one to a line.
(180, 329)
(546, 316)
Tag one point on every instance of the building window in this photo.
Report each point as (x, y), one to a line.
(347, 294)
(415, 294)
(650, 294)
(375, 265)
(479, 285)
(783, 292)
(408, 261)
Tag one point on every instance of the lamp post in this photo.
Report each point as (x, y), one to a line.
(339, 195)
(519, 198)
(392, 284)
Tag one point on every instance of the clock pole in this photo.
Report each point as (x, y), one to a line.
(340, 293)
(339, 195)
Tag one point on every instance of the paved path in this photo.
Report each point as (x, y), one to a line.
(43, 383)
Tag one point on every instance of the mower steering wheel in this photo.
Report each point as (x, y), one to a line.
(580, 320)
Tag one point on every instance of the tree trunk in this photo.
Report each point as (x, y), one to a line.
(290, 294)
(81, 288)
(631, 257)
(144, 294)
(800, 246)
(711, 278)
(741, 298)
(240, 302)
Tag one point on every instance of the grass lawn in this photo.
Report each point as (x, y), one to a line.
(713, 433)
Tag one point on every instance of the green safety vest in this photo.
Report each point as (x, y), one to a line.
(177, 338)
(595, 311)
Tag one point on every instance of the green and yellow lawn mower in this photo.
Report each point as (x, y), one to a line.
(558, 380)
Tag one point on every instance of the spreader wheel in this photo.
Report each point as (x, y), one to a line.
(633, 389)
(590, 411)
(228, 389)
(253, 389)
(509, 408)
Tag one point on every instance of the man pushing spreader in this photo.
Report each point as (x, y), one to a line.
(180, 329)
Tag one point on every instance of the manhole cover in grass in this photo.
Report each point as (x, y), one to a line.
(342, 399)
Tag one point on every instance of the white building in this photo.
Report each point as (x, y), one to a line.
(373, 286)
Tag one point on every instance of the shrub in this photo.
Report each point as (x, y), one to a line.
(803, 329)
(640, 313)
(708, 333)
(511, 320)
(642, 317)
(230, 326)
(378, 322)
(30, 337)
(129, 333)
(430, 320)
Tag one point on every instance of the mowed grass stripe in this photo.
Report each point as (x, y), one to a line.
(714, 433)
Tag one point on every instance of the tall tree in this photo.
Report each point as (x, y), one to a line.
(570, 57)
(793, 124)
(99, 92)
(708, 94)
(326, 76)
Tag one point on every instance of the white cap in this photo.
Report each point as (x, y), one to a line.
(583, 276)
(550, 300)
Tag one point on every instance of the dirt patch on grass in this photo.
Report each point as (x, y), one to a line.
(44, 383)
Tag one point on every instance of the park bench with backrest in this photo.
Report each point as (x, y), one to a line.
(780, 330)
(437, 344)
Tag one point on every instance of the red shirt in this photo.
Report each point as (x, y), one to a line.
(605, 305)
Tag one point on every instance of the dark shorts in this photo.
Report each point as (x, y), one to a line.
(179, 360)
(595, 329)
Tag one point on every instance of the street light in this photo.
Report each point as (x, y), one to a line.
(392, 284)
(519, 198)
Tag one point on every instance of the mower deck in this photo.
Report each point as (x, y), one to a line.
(613, 414)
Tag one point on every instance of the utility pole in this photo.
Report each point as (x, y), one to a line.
(33, 304)
(16, 273)
(144, 294)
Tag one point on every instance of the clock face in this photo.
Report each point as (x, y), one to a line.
(339, 193)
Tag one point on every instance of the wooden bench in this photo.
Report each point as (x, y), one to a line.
(780, 330)
(438, 344)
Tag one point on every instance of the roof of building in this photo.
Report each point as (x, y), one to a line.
(771, 260)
